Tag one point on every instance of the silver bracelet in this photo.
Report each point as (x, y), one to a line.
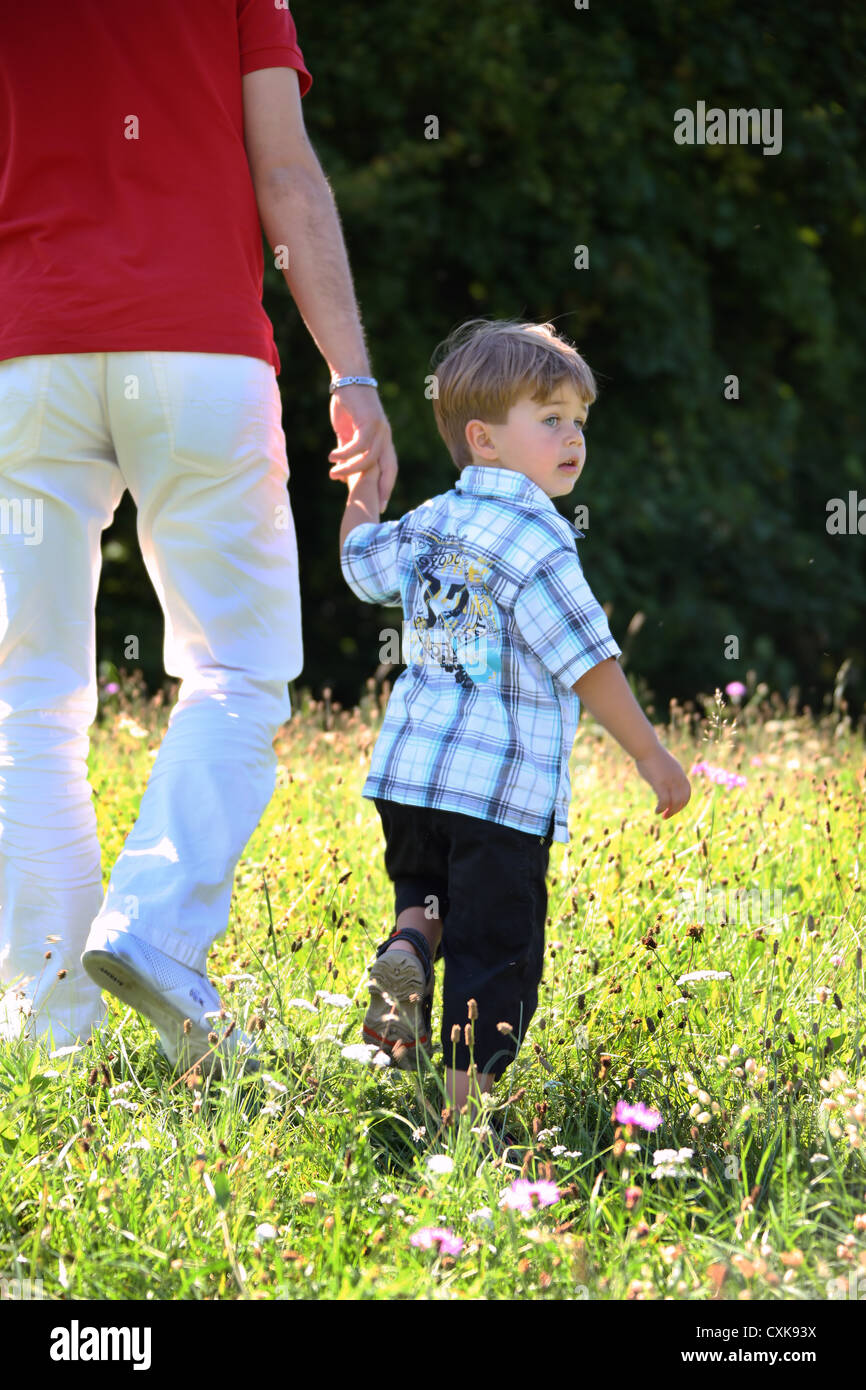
(338, 381)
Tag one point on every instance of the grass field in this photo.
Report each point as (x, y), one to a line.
(121, 1181)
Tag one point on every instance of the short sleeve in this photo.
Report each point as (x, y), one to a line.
(369, 561)
(561, 621)
(268, 39)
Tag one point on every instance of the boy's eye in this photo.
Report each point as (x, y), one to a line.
(582, 425)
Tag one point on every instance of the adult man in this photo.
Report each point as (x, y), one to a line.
(147, 147)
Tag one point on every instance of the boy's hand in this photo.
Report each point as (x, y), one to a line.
(364, 437)
(667, 779)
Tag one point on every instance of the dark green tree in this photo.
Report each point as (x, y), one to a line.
(556, 130)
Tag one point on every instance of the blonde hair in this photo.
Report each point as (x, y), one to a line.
(485, 366)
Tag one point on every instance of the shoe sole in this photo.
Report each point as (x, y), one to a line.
(383, 980)
(125, 982)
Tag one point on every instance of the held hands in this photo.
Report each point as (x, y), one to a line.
(667, 779)
(364, 439)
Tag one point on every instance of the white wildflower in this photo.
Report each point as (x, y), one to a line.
(697, 976)
(339, 1001)
(266, 1231)
(483, 1216)
(440, 1163)
(276, 1087)
(671, 1163)
(673, 1155)
(359, 1052)
(302, 1004)
(131, 726)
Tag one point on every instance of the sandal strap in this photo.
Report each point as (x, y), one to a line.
(416, 939)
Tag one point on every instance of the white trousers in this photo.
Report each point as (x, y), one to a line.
(197, 438)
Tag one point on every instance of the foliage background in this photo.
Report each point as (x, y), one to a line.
(707, 516)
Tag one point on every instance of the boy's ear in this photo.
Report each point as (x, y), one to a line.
(476, 436)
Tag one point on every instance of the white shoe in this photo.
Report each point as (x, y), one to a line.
(170, 995)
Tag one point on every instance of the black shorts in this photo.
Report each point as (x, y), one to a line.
(488, 885)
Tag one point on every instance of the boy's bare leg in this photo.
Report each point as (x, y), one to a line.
(461, 1089)
(429, 927)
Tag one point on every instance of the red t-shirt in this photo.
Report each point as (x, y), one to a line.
(110, 243)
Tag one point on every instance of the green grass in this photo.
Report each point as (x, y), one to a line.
(121, 1181)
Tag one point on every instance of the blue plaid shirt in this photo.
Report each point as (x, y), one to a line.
(499, 623)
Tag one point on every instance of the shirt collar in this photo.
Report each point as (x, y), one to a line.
(505, 483)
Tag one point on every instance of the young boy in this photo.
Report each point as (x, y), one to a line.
(501, 636)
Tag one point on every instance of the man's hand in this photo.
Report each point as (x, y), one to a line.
(364, 438)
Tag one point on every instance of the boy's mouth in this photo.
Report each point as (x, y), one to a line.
(570, 465)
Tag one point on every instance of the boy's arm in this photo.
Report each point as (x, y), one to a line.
(369, 560)
(362, 504)
(562, 622)
(607, 695)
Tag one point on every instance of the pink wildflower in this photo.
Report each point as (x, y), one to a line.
(639, 1114)
(718, 774)
(429, 1236)
(524, 1196)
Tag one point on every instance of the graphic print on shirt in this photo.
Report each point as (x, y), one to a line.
(454, 622)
